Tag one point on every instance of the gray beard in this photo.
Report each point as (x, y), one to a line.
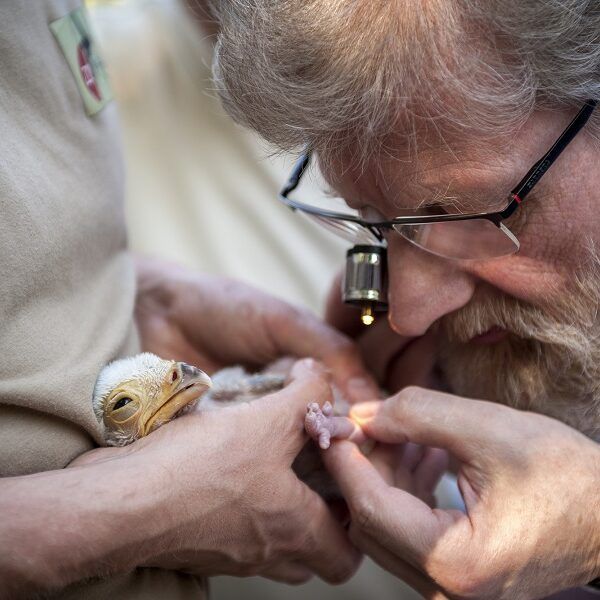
(549, 363)
(527, 375)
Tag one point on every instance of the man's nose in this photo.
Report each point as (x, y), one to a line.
(423, 287)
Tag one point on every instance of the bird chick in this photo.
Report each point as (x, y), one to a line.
(134, 396)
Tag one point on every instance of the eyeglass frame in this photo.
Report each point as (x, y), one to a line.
(515, 198)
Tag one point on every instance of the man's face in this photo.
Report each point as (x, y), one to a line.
(520, 329)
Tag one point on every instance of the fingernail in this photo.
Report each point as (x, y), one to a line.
(364, 411)
(308, 364)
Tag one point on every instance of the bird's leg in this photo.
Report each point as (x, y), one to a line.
(322, 425)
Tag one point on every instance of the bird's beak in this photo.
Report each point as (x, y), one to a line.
(193, 376)
(192, 385)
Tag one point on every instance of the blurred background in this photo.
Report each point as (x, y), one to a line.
(202, 191)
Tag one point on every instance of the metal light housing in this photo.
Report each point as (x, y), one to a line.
(365, 280)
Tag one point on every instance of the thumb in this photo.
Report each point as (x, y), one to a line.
(308, 381)
(464, 427)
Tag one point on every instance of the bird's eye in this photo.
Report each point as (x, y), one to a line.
(121, 402)
(174, 376)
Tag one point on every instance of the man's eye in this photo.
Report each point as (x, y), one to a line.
(121, 403)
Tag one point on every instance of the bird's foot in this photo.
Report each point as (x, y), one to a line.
(322, 425)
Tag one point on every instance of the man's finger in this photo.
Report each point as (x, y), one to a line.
(327, 550)
(465, 427)
(382, 511)
(301, 334)
(353, 472)
(385, 458)
(285, 410)
(406, 572)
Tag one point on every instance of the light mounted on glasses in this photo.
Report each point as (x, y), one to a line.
(459, 236)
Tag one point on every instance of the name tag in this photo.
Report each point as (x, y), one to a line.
(81, 51)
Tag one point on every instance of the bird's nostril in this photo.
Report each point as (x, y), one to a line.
(189, 370)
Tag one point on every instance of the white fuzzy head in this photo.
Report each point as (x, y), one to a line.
(146, 366)
(134, 396)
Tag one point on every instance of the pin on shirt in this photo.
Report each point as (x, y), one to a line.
(75, 39)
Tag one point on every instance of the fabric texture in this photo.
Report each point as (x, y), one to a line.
(67, 282)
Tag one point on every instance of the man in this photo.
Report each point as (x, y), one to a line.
(427, 109)
(200, 498)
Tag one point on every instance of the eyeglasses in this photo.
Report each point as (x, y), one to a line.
(464, 236)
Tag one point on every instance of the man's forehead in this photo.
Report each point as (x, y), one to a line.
(468, 179)
(433, 169)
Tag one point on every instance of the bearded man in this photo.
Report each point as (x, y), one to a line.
(426, 118)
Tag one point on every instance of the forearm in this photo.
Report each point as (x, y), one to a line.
(63, 526)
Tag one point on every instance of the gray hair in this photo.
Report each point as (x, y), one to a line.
(343, 74)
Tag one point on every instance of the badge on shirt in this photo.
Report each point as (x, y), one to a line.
(81, 51)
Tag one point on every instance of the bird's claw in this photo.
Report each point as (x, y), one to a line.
(322, 426)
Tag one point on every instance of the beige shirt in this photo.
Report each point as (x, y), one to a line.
(67, 285)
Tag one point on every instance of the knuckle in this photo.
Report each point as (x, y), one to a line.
(343, 567)
(404, 400)
(298, 539)
(366, 512)
(302, 542)
(298, 579)
(412, 393)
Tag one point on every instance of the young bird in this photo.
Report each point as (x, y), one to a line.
(134, 396)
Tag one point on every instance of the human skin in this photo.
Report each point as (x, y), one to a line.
(530, 486)
(176, 499)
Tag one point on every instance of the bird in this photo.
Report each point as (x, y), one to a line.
(134, 396)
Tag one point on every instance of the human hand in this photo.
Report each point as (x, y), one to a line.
(232, 503)
(530, 485)
(212, 322)
(396, 361)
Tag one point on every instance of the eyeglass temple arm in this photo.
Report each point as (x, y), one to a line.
(541, 166)
(296, 175)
